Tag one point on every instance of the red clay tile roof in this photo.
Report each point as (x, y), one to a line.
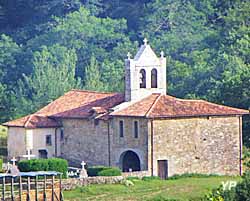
(73, 104)
(165, 106)
(80, 104)
(83, 104)
(34, 121)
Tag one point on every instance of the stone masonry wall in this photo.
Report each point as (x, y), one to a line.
(85, 141)
(138, 145)
(198, 145)
(70, 184)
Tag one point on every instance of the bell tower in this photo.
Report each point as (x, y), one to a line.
(145, 74)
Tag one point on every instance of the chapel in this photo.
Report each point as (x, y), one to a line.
(144, 130)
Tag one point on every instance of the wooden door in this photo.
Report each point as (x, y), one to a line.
(163, 169)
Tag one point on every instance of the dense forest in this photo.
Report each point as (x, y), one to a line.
(48, 47)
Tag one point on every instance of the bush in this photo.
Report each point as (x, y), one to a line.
(110, 172)
(242, 189)
(93, 171)
(150, 178)
(52, 164)
(1, 164)
(240, 193)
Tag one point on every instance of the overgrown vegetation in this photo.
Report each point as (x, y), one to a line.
(239, 193)
(52, 164)
(49, 47)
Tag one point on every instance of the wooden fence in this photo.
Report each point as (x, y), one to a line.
(46, 186)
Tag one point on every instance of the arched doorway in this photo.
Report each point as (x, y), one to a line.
(130, 161)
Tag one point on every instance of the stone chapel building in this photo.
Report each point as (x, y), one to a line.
(144, 129)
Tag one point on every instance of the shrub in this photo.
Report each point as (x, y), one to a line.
(1, 164)
(239, 193)
(110, 172)
(150, 178)
(93, 171)
(242, 189)
(52, 164)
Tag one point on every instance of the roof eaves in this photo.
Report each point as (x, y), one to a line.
(190, 116)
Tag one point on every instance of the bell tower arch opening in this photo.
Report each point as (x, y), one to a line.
(142, 78)
(154, 79)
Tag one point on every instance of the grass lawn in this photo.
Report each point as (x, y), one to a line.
(179, 189)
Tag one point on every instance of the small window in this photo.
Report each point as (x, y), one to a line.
(142, 78)
(62, 134)
(136, 129)
(121, 131)
(48, 140)
(154, 78)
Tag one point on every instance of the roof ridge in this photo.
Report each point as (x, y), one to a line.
(27, 121)
(152, 106)
(96, 92)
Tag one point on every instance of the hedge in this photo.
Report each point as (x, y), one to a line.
(103, 171)
(52, 164)
(110, 172)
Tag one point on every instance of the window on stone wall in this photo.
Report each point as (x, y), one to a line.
(62, 134)
(48, 140)
(136, 129)
(121, 128)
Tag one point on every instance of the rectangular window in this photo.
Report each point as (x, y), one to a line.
(121, 131)
(48, 140)
(62, 134)
(136, 129)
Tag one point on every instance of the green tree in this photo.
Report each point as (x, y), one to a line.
(54, 74)
(92, 76)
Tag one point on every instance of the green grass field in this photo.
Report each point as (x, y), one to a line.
(156, 190)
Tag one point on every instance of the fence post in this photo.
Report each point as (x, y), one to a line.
(12, 189)
(28, 193)
(3, 190)
(20, 188)
(60, 188)
(52, 188)
(44, 189)
(36, 185)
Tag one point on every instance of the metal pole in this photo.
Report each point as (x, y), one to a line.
(20, 188)
(12, 189)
